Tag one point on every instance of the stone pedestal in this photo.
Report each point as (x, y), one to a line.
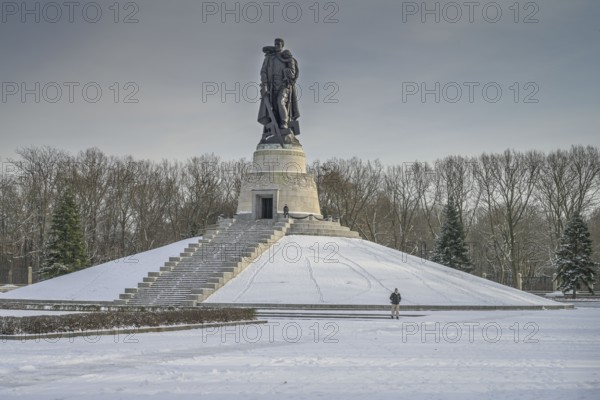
(277, 177)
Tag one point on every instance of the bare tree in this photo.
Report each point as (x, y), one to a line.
(346, 187)
(507, 182)
(568, 185)
(404, 186)
(458, 176)
(87, 175)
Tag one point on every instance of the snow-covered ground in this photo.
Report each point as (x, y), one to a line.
(325, 270)
(439, 355)
(300, 270)
(443, 355)
(102, 282)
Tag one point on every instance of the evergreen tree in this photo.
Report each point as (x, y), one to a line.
(573, 258)
(65, 250)
(450, 247)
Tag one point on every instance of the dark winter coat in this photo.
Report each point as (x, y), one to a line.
(395, 298)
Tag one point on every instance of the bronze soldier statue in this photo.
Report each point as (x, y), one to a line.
(279, 101)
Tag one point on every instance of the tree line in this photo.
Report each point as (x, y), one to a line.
(513, 205)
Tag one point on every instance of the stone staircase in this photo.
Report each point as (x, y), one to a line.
(315, 227)
(204, 267)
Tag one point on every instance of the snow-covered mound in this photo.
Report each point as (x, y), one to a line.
(102, 282)
(326, 270)
(299, 270)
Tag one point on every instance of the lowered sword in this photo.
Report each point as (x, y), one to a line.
(273, 126)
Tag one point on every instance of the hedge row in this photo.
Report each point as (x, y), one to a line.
(94, 321)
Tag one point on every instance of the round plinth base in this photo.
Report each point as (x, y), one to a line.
(278, 177)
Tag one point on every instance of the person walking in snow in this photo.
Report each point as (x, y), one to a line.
(396, 298)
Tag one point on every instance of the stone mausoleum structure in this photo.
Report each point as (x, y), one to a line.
(278, 177)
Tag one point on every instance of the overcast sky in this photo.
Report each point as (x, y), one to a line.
(363, 66)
